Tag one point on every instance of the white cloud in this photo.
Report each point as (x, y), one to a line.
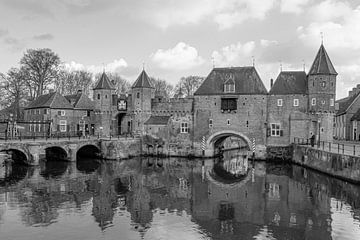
(234, 54)
(339, 23)
(225, 13)
(267, 43)
(293, 6)
(182, 56)
(115, 66)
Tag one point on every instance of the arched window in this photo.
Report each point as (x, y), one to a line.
(229, 86)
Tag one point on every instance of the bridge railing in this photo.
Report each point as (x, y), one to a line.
(341, 147)
(61, 136)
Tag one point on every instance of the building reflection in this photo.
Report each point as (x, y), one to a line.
(270, 199)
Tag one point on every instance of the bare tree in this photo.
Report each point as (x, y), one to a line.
(162, 87)
(188, 85)
(14, 90)
(41, 68)
(69, 82)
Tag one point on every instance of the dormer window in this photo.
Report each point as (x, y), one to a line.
(229, 85)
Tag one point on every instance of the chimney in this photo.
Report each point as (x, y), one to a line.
(356, 90)
(271, 82)
(351, 93)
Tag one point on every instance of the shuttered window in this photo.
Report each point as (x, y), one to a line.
(228, 104)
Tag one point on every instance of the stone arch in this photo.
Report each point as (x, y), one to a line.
(17, 155)
(56, 153)
(88, 150)
(222, 135)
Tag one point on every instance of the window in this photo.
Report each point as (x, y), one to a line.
(38, 111)
(275, 130)
(106, 96)
(62, 124)
(279, 102)
(62, 112)
(229, 87)
(323, 102)
(331, 102)
(98, 96)
(313, 101)
(30, 127)
(296, 102)
(210, 123)
(228, 122)
(39, 127)
(228, 104)
(88, 113)
(184, 127)
(323, 84)
(45, 111)
(138, 95)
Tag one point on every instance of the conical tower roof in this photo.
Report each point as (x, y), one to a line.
(143, 81)
(104, 83)
(322, 63)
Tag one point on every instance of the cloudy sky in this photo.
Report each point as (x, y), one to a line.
(177, 38)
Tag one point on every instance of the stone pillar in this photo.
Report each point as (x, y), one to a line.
(34, 155)
(72, 152)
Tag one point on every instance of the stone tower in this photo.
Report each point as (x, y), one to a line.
(142, 92)
(322, 83)
(321, 89)
(103, 92)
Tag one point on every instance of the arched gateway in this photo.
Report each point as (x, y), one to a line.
(217, 138)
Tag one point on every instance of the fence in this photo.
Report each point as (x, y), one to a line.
(341, 148)
(58, 136)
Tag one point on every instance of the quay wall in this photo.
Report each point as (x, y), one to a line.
(338, 165)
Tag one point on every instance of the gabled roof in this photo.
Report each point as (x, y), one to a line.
(247, 81)
(143, 81)
(80, 101)
(345, 103)
(50, 100)
(104, 83)
(356, 116)
(157, 120)
(290, 82)
(322, 63)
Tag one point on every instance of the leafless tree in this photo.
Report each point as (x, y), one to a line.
(162, 87)
(41, 68)
(188, 85)
(13, 90)
(69, 82)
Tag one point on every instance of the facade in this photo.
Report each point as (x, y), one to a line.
(231, 102)
(345, 120)
(55, 114)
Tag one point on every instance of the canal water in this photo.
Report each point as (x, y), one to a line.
(149, 198)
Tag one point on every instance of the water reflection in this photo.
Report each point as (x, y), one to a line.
(53, 169)
(178, 199)
(87, 165)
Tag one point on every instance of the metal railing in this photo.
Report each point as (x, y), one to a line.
(341, 148)
(59, 136)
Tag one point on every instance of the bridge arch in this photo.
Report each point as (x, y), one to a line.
(88, 150)
(56, 153)
(17, 155)
(220, 136)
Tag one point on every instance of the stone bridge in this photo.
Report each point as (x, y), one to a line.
(32, 151)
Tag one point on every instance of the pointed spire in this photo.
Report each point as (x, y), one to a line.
(322, 63)
(143, 81)
(104, 82)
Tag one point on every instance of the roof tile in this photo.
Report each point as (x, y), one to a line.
(290, 82)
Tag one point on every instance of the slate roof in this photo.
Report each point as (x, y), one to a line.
(143, 81)
(104, 83)
(356, 116)
(322, 63)
(247, 81)
(80, 101)
(50, 100)
(290, 82)
(345, 103)
(157, 120)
